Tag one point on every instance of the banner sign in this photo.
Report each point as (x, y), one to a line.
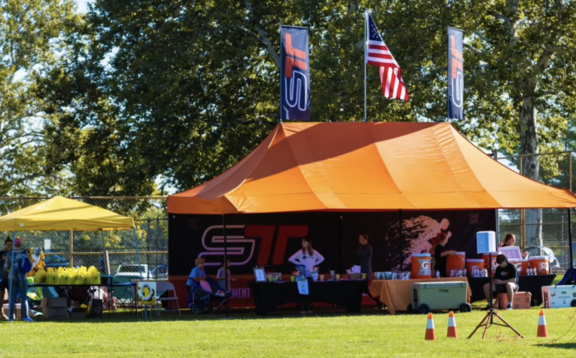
(268, 240)
(146, 293)
(455, 74)
(294, 74)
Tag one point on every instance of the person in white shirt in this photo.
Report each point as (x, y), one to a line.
(309, 258)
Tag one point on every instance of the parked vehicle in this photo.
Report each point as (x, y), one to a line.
(132, 272)
(160, 272)
(56, 261)
(544, 251)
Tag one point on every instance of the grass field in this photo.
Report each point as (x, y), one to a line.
(369, 335)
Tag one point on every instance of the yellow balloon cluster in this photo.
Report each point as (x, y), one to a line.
(68, 276)
(41, 265)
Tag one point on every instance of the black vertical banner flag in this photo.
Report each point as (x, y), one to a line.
(455, 74)
(294, 74)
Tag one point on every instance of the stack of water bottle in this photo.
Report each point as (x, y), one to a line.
(531, 271)
(480, 273)
(458, 273)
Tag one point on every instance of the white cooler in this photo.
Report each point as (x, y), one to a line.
(559, 296)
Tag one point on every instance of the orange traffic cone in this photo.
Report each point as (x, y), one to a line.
(430, 332)
(542, 331)
(452, 326)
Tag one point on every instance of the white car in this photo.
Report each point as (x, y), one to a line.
(131, 271)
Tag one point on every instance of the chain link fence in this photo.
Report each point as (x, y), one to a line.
(86, 248)
(544, 227)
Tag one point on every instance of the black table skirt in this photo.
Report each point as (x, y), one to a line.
(532, 284)
(346, 294)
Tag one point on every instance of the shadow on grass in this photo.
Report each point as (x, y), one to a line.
(570, 345)
(236, 314)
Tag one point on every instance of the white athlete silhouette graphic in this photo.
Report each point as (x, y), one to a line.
(420, 233)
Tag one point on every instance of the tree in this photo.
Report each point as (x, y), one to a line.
(184, 89)
(529, 47)
(30, 31)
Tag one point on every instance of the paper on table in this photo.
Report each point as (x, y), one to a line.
(303, 287)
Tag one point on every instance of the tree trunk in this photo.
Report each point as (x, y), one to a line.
(530, 164)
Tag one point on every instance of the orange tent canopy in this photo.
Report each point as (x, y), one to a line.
(366, 166)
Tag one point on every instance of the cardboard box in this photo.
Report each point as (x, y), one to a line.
(17, 310)
(559, 296)
(55, 313)
(522, 300)
(58, 302)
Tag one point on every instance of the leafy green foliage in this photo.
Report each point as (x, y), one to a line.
(30, 32)
(185, 89)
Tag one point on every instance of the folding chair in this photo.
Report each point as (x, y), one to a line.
(166, 286)
(203, 297)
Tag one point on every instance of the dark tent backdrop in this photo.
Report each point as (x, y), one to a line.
(270, 239)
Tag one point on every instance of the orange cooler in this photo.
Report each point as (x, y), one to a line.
(487, 260)
(541, 264)
(456, 261)
(523, 268)
(421, 266)
(472, 264)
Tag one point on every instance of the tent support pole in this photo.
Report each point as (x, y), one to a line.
(400, 234)
(570, 246)
(10, 303)
(225, 261)
(140, 272)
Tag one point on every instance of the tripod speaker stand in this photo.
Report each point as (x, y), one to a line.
(488, 320)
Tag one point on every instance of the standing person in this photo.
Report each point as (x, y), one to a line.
(309, 258)
(221, 277)
(4, 273)
(505, 281)
(440, 253)
(364, 254)
(19, 282)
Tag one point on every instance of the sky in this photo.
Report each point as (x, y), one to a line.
(82, 5)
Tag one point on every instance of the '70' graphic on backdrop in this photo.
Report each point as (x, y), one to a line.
(241, 240)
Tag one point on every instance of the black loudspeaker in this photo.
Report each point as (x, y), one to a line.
(96, 308)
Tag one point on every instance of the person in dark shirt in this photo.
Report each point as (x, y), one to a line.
(440, 253)
(505, 281)
(364, 254)
(4, 274)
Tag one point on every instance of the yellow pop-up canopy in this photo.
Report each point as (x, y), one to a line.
(61, 214)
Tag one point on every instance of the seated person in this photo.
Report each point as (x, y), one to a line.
(505, 281)
(510, 240)
(197, 273)
(221, 277)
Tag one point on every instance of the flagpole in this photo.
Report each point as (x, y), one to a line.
(365, 42)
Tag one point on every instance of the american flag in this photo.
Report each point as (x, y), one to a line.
(377, 54)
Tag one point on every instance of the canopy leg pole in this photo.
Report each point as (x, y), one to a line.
(570, 246)
(400, 235)
(12, 305)
(225, 262)
(139, 271)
